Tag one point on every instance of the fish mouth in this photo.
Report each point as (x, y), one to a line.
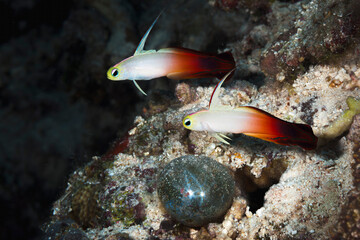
(109, 76)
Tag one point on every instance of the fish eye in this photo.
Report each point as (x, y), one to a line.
(114, 72)
(187, 122)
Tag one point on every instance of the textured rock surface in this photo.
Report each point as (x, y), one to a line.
(56, 101)
(305, 194)
(310, 32)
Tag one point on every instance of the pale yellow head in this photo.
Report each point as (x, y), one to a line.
(115, 73)
(194, 121)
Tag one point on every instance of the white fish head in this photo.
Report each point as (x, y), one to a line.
(195, 121)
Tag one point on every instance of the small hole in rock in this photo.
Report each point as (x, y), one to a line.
(256, 188)
(256, 199)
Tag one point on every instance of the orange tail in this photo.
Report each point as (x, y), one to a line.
(194, 64)
(273, 129)
(226, 64)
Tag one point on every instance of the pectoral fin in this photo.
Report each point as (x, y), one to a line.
(221, 137)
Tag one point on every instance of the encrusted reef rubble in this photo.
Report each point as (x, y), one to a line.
(281, 192)
(310, 32)
(117, 193)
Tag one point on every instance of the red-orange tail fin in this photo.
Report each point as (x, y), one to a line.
(298, 134)
(273, 129)
(227, 56)
(227, 63)
(194, 64)
(290, 134)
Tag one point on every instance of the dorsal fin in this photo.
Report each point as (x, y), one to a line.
(214, 100)
(141, 45)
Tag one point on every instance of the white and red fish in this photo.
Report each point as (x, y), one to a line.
(251, 121)
(174, 63)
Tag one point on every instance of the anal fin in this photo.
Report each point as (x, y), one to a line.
(176, 75)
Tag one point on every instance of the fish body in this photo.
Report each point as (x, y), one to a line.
(250, 121)
(174, 63)
(141, 67)
(253, 122)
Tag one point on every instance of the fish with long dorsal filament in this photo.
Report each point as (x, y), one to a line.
(174, 63)
(251, 121)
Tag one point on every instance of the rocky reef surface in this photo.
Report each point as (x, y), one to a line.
(306, 193)
(298, 60)
(281, 192)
